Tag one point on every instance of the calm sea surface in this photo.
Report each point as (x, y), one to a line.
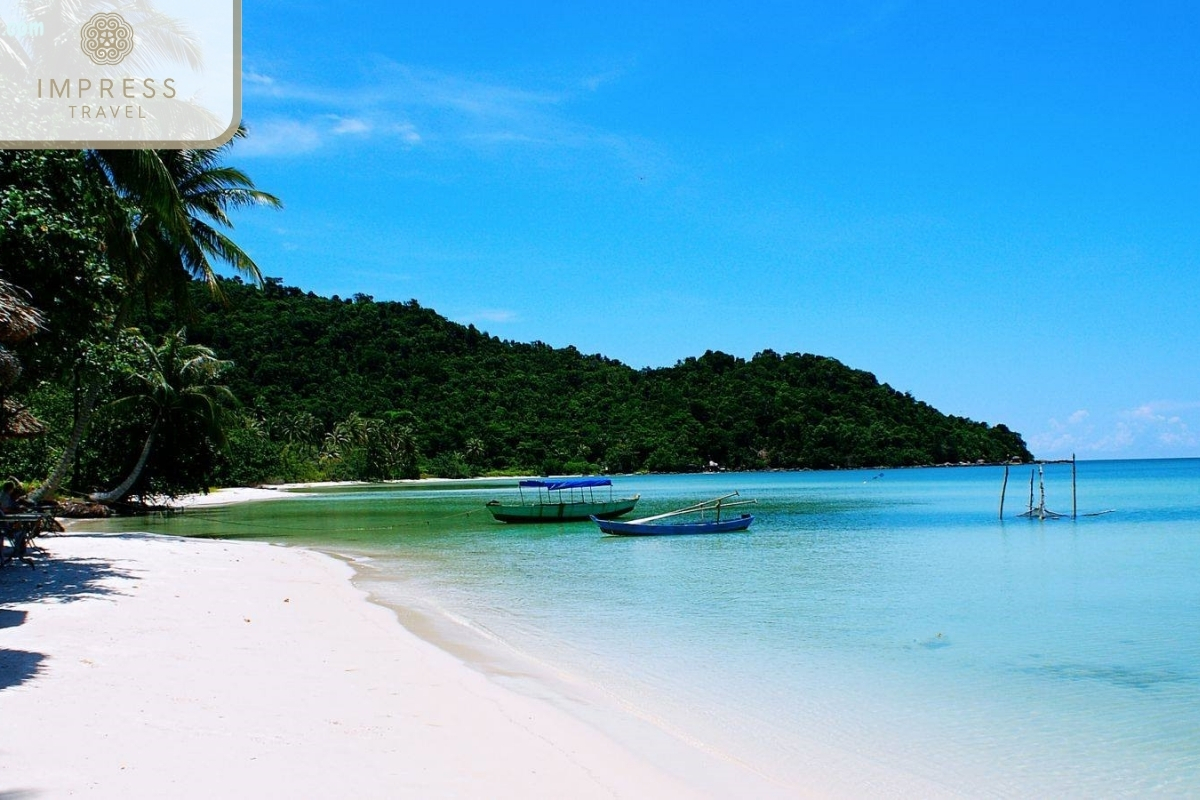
(887, 618)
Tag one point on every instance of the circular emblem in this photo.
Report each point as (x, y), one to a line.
(107, 38)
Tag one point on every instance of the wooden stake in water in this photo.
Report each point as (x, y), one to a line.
(1031, 474)
(1074, 503)
(1003, 489)
(1042, 488)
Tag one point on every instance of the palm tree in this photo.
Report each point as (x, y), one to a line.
(335, 441)
(297, 430)
(176, 203)
(355, 429)
(165, 212)
(473, 452)
(177, 384)
(404, 445)
(253, 422)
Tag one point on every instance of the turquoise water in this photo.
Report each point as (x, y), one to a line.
(886, 621)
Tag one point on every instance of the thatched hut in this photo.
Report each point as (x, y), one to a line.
(18, 321)
(16, 421)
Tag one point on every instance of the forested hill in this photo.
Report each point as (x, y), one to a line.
(474, 400)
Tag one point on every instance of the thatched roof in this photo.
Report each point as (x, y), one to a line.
(10, 368)
(18, 319)
(17, 423)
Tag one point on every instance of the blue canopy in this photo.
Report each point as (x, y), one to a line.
(558, 484)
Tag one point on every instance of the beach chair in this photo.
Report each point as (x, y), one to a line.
(18, 529)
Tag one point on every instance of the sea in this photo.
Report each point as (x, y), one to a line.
(873, 630)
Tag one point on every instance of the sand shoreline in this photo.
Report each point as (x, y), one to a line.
(140, 665)
(245, 494)
(137, 665)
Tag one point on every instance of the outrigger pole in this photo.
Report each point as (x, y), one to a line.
(719, 503)
(692, 508)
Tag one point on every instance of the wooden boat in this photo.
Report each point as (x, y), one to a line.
(635, 528)
(563, 500)
(649, 526)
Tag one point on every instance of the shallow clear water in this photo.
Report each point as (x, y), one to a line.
(887, 617)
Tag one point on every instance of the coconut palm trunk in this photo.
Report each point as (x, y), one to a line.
(177, 381)
(120, 491)
(82, 422)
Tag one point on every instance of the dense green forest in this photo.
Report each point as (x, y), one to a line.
(133, 368)
(474, 403)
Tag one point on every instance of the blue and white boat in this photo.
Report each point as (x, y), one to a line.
(650, 526)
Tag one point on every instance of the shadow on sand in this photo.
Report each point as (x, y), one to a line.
(54, 579)
(11, 619)
(61, 579)
(16, 667)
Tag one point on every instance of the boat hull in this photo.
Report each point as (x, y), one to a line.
(561, 512)
(649, 529)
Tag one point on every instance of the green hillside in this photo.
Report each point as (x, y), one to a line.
(475, 403)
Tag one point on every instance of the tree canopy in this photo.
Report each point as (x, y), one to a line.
(94, 238)
(477, 403)
(351, 388)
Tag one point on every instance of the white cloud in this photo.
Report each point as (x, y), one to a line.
(1145, 412)
(1061, 437)
(1157, 421)
(280, 137)
(1122, 437)
(407, 132)
(251, 76)
(1151, 429)
(419, 104)
(594, 82)
(347, 125)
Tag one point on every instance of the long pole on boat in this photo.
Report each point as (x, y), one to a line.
(731, 505)
(689, 509)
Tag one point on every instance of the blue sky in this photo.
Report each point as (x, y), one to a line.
(994, 208)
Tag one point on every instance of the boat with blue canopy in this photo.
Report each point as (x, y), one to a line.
(562, 500)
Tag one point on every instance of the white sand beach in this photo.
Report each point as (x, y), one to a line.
(138, 665)
(242, 494)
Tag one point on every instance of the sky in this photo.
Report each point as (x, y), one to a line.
(995, 207)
